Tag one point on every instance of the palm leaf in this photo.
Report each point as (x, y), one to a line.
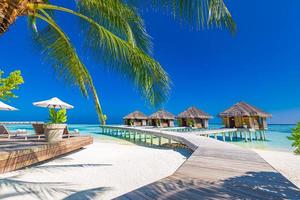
(121, 56)
(201, 13)
(63, 57)
(58, 50)
(119, 18)
(124, 57)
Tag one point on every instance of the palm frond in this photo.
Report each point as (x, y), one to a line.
(119, 18)
(62, 57)
(121, 55)
(201, 13)
(220, 15)
(58, 50)
(32, 23)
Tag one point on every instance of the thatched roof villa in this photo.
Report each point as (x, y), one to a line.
(161, 118)
(135, 118)
(243, 115)
(193, 117)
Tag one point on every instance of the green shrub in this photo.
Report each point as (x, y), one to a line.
(57, 117)
(9, 84)
(295, 137)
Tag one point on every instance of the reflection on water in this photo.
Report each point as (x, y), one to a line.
(276, 135)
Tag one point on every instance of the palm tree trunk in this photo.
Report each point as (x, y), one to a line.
(11, 9)
(101, 116)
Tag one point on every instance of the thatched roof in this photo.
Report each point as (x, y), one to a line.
(243, 109)
(194, 113)
(162, 114)
(135, 115)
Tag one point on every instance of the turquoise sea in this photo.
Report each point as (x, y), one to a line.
(276, 138)
(276, 135)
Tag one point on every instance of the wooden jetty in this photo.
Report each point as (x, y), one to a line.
(215, 170)
(230, 134)
(234, 133)
(18, 153)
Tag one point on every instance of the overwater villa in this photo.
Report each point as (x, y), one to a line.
(135, 118)
(161, 118)
(243, 115)
(193, 117)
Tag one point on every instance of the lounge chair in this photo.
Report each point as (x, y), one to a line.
(4, 131)
(38, 129)
(68, 133)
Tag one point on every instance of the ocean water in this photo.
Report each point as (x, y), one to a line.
(276, 138)
(276, 135)
(85, 129)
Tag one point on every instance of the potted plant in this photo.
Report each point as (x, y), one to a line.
(55, 128)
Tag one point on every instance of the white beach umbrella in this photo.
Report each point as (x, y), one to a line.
(53, 103)
(4, 106)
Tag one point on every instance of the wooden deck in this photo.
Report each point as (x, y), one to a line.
(18, 153)
(216, 170)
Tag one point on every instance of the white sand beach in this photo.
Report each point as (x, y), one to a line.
(109, 168)
(287, 163)
(101, 171)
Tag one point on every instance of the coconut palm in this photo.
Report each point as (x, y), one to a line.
(114, 33)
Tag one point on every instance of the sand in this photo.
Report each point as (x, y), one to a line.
(101, 171)
(107, 169)
(287, 163)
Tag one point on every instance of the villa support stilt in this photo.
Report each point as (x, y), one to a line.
(151, 139)
(246, 137)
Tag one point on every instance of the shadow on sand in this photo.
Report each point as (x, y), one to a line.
(12, 186)
(44, 190)
(40, 190)
(62, 167)
(87, 194)
(252, 185)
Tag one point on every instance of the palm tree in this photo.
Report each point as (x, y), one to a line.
(114, 32)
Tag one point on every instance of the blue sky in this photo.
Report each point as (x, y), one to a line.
(210, 69)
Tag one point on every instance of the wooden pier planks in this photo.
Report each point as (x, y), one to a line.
(216, 170)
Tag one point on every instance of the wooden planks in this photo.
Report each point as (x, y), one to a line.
(16, 154)
(216, 170)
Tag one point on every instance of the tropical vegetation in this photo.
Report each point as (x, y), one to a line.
(9, 84)
(57, 117)
(295, 137)
(113, 32)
